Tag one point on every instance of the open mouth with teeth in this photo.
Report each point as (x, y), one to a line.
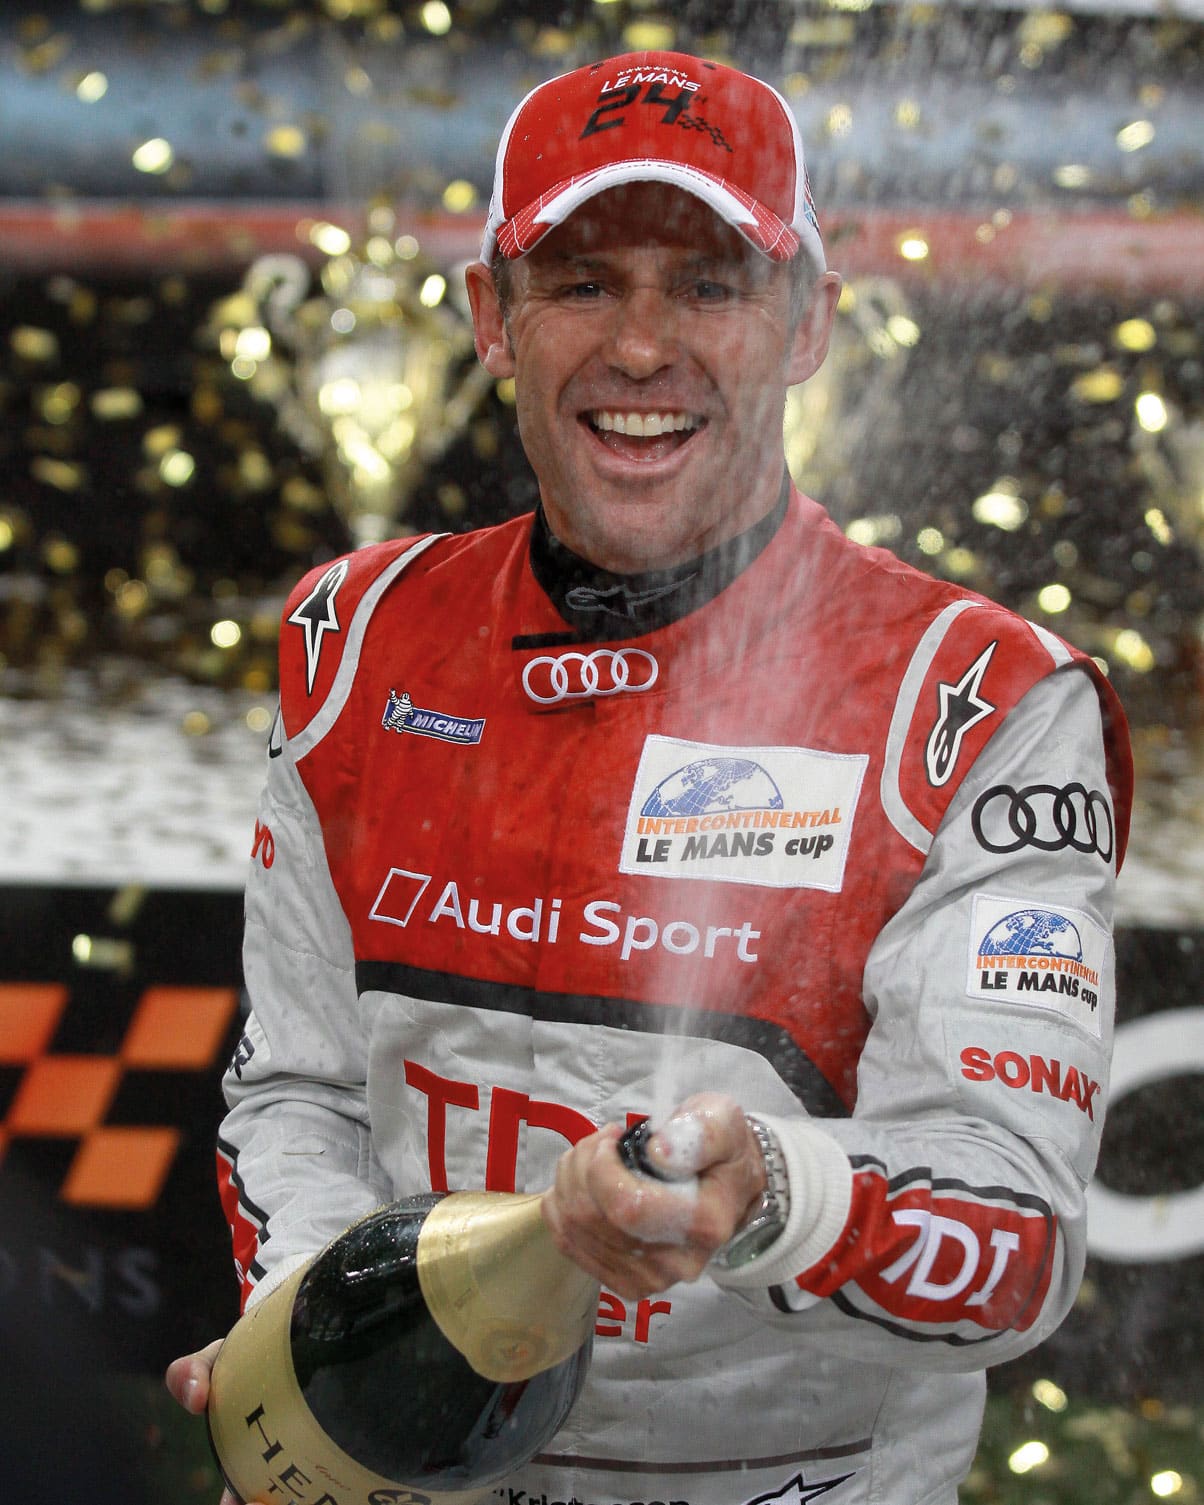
(643, 435)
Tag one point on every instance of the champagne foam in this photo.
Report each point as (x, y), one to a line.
(680, 1146)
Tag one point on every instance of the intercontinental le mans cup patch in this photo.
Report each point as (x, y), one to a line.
(1049, 958)
(779, 817)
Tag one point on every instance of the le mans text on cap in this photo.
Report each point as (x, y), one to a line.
(664, 117)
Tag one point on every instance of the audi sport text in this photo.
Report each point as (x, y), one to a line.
(680, 937)
(601, 922)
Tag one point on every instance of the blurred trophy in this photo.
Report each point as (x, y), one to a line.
(367, 365)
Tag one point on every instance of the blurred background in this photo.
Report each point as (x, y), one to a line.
(233, 344)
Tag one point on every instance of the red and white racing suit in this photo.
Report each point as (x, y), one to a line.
(841, 841)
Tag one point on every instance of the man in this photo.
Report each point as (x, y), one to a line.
(668, 788)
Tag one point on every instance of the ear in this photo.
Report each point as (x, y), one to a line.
(814, 328)
(488, 326)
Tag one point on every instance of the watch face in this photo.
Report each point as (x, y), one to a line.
(770, 1218)
(750, 1241)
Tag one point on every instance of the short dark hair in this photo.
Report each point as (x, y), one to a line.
(805, 271)
(502, 270)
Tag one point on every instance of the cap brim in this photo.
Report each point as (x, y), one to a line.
(758, 225)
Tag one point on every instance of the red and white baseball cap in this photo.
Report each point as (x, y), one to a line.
(664, 117)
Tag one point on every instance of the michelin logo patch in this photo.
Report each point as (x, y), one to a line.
(1050, 958)
(778, 817)
(402, 715)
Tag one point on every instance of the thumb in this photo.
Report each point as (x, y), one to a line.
(187, 1378)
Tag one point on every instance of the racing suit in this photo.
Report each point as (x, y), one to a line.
(837, 838)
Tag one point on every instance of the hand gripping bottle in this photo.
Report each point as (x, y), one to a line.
(427, 1352)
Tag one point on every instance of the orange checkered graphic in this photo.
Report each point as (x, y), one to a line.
(68, 1096)
(121, 1167)
(29, 1016)
(177, 1029)
(64, 1095)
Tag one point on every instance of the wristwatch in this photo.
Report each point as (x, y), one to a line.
(769, 1217)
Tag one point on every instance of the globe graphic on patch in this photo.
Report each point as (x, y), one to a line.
(1033, 932)
(712, 786)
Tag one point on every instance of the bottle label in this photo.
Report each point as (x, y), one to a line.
(267, 1442)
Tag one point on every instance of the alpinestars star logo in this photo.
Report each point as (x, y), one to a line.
(961, 707)
(620, 600)
(316, 616)
(799, 1492)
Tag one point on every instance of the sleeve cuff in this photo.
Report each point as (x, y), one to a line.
(277, 1275)
(821, 1193)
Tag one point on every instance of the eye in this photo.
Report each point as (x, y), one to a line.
(705, 290)
(583, 291)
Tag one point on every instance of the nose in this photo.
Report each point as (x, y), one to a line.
(643, 333)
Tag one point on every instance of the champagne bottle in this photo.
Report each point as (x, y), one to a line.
(428, 1351)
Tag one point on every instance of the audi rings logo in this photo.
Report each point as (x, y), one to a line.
(579, 676)
(1044, 816)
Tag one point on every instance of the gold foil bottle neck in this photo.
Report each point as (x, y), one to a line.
(501, 1292)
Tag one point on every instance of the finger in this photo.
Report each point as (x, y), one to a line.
(187, 1378)
(633, 1234)
(651, 1211)
(638, 1234)
(572, 1209)
(624, 1265)
(576, 1184)
(612, 1215)
(702, 1132)
(711, 1133)
(584, 1208)
(608, 1206)
(647, 1269)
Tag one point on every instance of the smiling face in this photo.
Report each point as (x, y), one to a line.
(651, 348)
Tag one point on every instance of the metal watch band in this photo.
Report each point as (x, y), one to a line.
(769, 1217)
